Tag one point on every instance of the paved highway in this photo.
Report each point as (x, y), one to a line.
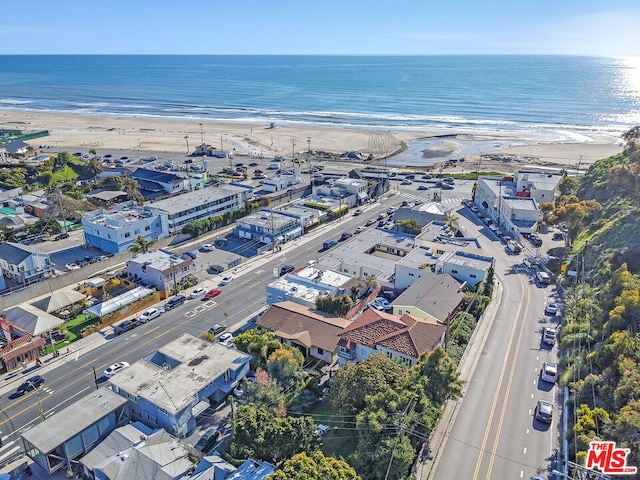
(495, 434)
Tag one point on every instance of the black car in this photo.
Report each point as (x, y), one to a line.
(61, 236)
(287, 269)
(190, 254)
(175, 301)
(123, 327)
(345, 235)
(31, 384)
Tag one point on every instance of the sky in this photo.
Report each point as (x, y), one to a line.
(371, 27)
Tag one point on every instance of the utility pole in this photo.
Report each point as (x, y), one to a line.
(201, 134)
(293, 151)
(578, 169)
(186, 139)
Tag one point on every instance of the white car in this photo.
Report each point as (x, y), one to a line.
(72, 266)
(197, 292)
(360, 229)
(150, 314)
(225, 280)
(115, 368)
(551, 309)
(549, 372)
(207, 247)
(226, 338)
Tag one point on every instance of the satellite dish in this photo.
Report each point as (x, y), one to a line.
(166, 366)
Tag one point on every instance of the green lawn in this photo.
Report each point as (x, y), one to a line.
(65, 174)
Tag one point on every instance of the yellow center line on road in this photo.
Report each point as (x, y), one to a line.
(140, 343)
(497, 394)
(508, 389)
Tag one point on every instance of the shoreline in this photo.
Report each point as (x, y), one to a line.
(500, 150)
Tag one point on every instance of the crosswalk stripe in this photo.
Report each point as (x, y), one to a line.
(10, 453)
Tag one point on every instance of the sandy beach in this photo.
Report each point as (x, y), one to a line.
(501, 151)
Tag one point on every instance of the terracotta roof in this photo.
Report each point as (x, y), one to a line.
(406, 335)
(34, 344)
(292, 321)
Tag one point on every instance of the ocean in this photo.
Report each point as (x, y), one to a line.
(513, 93)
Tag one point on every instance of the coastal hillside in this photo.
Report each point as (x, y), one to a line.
(601, 322)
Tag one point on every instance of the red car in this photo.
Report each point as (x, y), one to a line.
(214, 292)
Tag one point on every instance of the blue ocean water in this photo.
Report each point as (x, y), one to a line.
(495, 92)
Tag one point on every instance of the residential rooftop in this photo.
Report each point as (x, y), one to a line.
(193, 363)
(124, 215)
(197, 198)
(161, 260)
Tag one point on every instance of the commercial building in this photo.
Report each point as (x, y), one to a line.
(269, 227)
(514, 202)
(174, 385)
(306, 285)
(203, 203)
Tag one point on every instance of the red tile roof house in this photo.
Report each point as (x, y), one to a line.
(314, 333)
(403, 338)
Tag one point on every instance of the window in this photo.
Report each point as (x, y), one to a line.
(280, 298)
(454, 271)
(320, 351)
(226, 376)
(147, 228)
(472, 275)
(127, 234)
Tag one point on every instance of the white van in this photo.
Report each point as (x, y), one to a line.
(543, 277)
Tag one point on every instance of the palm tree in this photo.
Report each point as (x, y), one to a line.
(94, 167)
(141, 245)
(132, 189)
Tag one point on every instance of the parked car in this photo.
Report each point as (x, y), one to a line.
(321, 430)
(383, 303)
(329, 243)
(544, 411)
(124, 326)
(551, 309)
(391, 210)
(111, 370)
(543, 278)
(216, 269)
(61, 236)
(175, 301)
(207, 247)
(357, 212)
(286, 269)
(549, 372)
(558, 236)
(72, 266)
(345, 235)
(196, 292)
(190, 254)
(549, 336)
(150, 314)
(214, 292)
(225, 338)
(370, 222)
(360, 229)
(217, 329)
(31, 384)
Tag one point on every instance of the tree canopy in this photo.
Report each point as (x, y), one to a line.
(314, 467)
